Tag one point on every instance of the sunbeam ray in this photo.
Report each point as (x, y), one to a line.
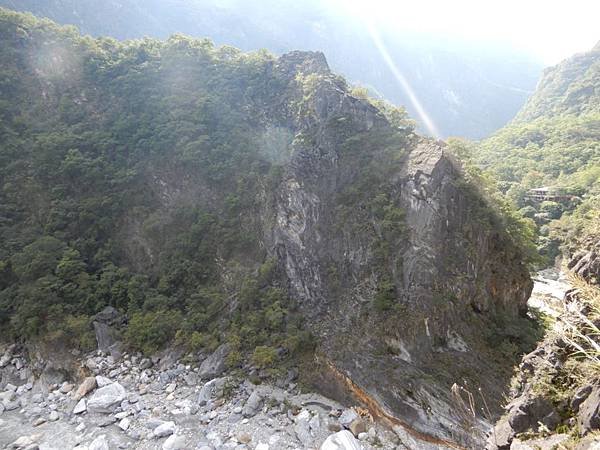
(424, 117)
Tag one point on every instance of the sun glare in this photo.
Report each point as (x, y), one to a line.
(545, 28)
(403, 83)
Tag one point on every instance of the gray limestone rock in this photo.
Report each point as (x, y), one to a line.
(214, 365)
(347, 417)
(174, 442)
(211, 390)
(11, 405)
(100, 443)
(24, 442)
(343, 440)
(102, 381)
(253, 404)
(105, 399)
(588, 416)
(164, 429)
(580, 396)
(80, 407)
(39, 421)
(145, 363)
(105, 324)
(191, 379)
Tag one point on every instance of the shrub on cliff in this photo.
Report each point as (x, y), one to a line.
(150, 331)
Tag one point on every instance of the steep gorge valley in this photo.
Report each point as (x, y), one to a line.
(206, 248)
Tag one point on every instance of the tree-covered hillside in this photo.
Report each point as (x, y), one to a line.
(554, 143)
(572, 87)
(467, 89)
(83, 123)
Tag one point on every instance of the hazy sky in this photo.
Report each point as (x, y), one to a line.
(551, 29)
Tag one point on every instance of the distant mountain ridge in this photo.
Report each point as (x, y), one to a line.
(466, 90)
(571, 87)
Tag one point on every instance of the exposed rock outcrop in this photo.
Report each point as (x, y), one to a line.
(450, 268)
(106, 324)
(214, 365)
(586, 261)
(555, 399)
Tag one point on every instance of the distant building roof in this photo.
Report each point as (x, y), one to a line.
(548, 193)
(546, 189)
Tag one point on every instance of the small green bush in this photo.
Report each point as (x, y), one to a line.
(385, 298)
(151, 331)
(73, 332)
(234, 359)
(264, 356)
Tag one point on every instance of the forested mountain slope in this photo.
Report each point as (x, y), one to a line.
(572, 87)
(466, 89)
(255, 204)
(554, 142)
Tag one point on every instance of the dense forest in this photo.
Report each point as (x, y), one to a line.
(83, 120)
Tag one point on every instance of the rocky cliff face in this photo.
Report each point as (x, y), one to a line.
(555, 398)
(585, 261)
(449, 271)
(582, 251)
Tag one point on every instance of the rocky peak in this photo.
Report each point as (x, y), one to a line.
(314, 96)
(305, 62)
(428, 158)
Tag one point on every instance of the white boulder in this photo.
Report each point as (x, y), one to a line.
(100, 443)
(106, 398)
(343, 440)
(80, 407)
(164, 429)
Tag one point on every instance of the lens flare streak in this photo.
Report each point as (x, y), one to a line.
(424, 117)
